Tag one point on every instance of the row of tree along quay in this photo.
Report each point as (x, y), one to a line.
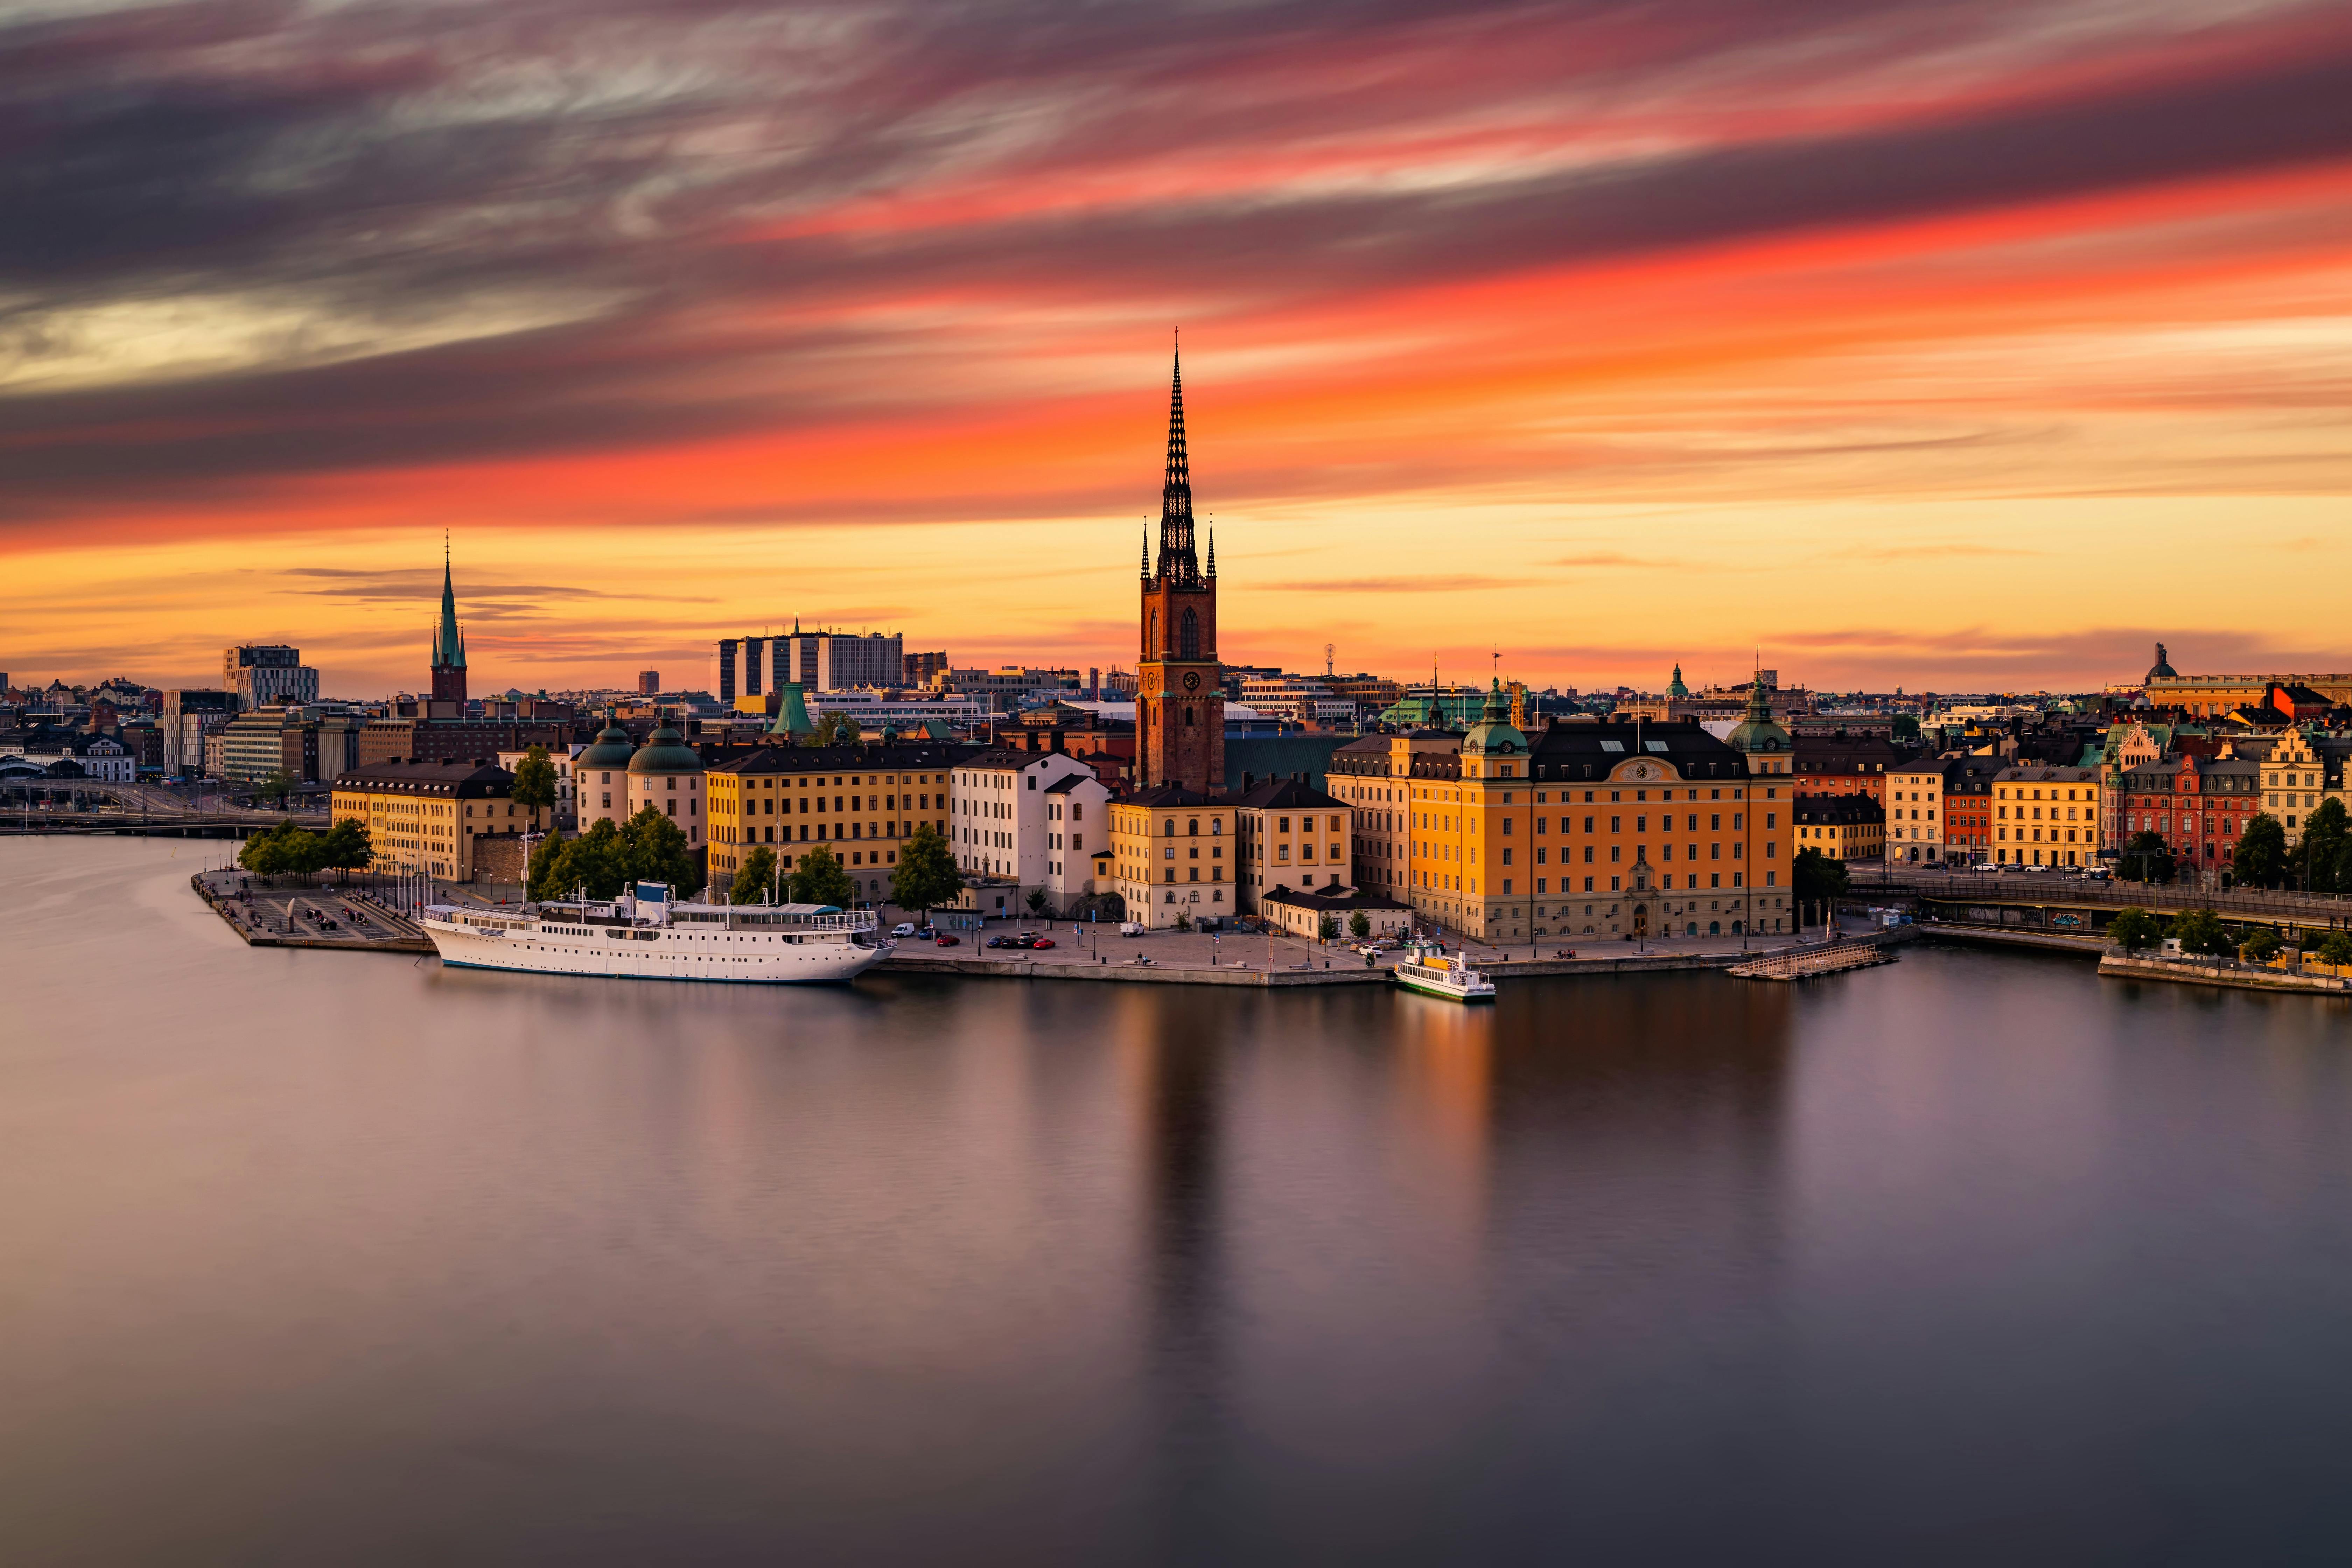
(2320, 863)
(2204, 935)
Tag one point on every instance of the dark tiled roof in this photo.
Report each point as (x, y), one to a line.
(1331, 899)
(826, 759)
(458, 779)
(1286, 795)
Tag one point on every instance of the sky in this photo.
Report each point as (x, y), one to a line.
(1966, 346)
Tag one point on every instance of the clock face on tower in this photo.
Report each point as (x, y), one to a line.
(1191, 680)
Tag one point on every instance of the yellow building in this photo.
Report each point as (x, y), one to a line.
(860, 802)
(1290, 836)
(1173, 852)
(1841, 826)
(424, 817)
(1624, 828)
(2046, 816)
(2296, 782)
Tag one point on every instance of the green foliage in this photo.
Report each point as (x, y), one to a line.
(654, 849)
(2201, 932)
(2335, 948)
(1326, 928)
(277, 786)
(2325, 853)
(592, 865)
(833, 729)
(756, 882)
(819, 878)
(2134, 929)
(534, 783)
(926, 877)
(2259, 860)
(347, 846)
(284, 849)
(2145, 859)
(2261, 945)
(543, 880)
(1183, 919)
(1815, 876)
(1037, 900)
(1359, 925)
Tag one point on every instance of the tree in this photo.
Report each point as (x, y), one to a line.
(592, 865)
(347, 846)
(2145, 858)
(1183, 919)
(2134, 929)
(756, 882)
(2260, 860)
(1037, 900)
(820, 879)
(2261, 945)
(2327, 835)
(277, 786)
(1815, 877)
(1326, 928)
(284, 849)
(2201, 932)
(544, 879)
(2335, 948)
(926, 877)
(534, 783)
(1359, 925)
(653, 849)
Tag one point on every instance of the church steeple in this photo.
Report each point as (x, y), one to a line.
(449, 640)
(1178, 561)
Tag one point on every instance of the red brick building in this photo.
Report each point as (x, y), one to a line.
(1179, 702)
(2197, 806)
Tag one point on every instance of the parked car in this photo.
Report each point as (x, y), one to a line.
(1027, 939)
(947, 940)
(1000, 941)
(1042, 944)
(1130, 927)
(903, 927)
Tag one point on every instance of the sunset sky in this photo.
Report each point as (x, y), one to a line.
(1958, 346)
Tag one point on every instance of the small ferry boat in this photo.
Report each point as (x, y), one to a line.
(1422, 968)
(648, 934)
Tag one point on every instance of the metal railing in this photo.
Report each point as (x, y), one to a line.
(2050, 889)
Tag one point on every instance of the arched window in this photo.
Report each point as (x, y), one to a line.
(1151, 642)
(1193, 828)
(1188, 635)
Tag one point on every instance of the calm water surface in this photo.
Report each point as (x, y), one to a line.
(320, 1257)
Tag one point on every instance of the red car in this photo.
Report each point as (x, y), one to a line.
(1041, 943)
(950, 941)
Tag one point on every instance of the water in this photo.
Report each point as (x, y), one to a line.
(329, 1257)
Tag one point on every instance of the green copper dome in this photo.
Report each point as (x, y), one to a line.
(792, 712)
(1494, 732)
(611, 749)
(666, 751)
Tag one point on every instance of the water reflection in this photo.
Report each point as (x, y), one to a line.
(331, 1256)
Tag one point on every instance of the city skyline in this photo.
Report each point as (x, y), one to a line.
(1923, 346)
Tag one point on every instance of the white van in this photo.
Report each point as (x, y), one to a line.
(1130, 927)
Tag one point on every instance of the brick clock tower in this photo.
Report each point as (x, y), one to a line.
(1179, 707)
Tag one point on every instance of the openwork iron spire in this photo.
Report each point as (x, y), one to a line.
(1177, 559)
(448, 641)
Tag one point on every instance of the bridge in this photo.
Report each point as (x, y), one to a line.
(2082, 906)
(82, 805)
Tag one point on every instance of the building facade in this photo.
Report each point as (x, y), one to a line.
(666, 775)
(2297, 777)
(1172, 856)
(1913, 827)
(1289, 838)
(1844, 826)
(860, 802)
(267, 675)
(1370, 775)
(188, 716)
(424, 817)
(1571, 833)
(2197, 806)
(1078, 839)
(1000, 821)
(2050, 816)
(1180, 694)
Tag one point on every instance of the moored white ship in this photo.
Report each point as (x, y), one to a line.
(1422, 968)
(648, 935)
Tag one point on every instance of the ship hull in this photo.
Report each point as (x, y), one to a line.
(715, 956)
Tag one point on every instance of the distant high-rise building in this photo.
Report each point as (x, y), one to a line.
(755, 660)
(188, 717)
(648, 682)
(263, 674)
(921, 666)
(727, 650)
(448, 643)
(841, 661)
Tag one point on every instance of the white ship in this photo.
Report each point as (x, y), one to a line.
(648, 935)
(1422, 968)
